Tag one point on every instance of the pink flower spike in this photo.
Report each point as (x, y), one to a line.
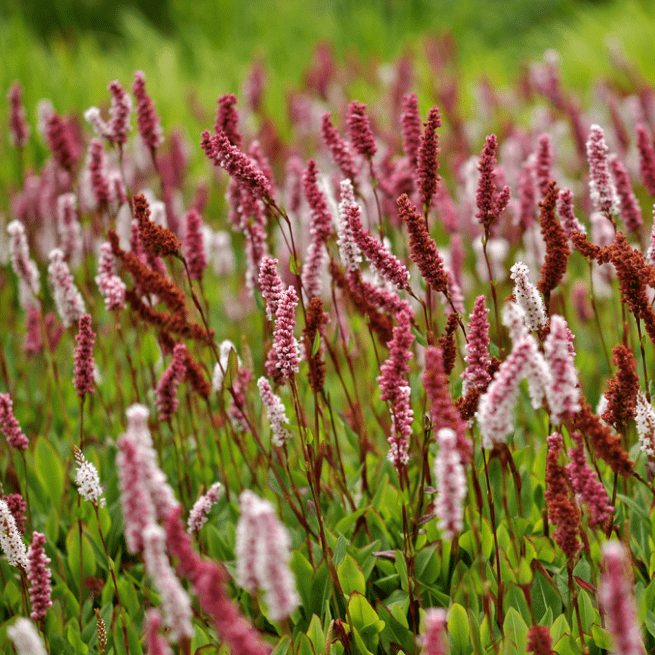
(11, 541)
(111, 286)
(194, 251)
(645, 420)
(564, 394)
(528, 297)
(410, 122)
(490, 203)
(24, 267)
(83, 380)
(646, 159)
(33, 343)
(38, 574)
(17, 507)
(586, 484)
(434, 639)
(26, 638)
(166, 392)
(61, 142)
(68, 227)
(175, 600)
(601, 186)
(88, 480)
(146, 116)
(18, 127)
(477, 348)
(9, 425)
(98, 172)
(270, 285)
(285, 344)
(527, 195)
(349, 252)
(276, 413)
(339, 149)
(359, 129)
(120, 112)
(451, 484)
(202, 507)
(630, 210)
(263, 550)
(616, 598)
(321, 224)
(69, 302)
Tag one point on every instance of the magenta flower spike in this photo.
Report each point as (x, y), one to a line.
(586, 484)
(630, 211)
(276, 413)
(83, 380)
(111, 286)
(339, 149)
(166, 392)
(387, 265)
(263, 551)
(33, 343)
(285, 344)
(427, 178)
(174, 599)
(69, 301)
(98, 173)
(410, 128)
(434, 639)
(24, 267)
(451, 484)
(17, 507)
(565, 211)
(489, 201)
(646, 159)
(11, 541)
(227, 119)
(18, 127)
(146, 116)
(527, 195)
(157, 644)
(359, 129)
(61, 142)
(9, 425)
(477, 348)
(209, 582)
(616, 598)
(601, 186)
(194, 251)
(544, 163)
(38, 575)
(68, 227)
(202, 507)
(564, 394)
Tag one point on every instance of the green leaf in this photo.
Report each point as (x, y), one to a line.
(360, 644)
(516, 599)
(149, 352)
(132, 639)
(340, 550)
(282, 646)
(305, 646)
(602, 637)
(232, 368)
(74, 638)
(304, 573)
(634, 506)
(401, 567)
(293, 265)
(419, 337)
(543, 596)
(351, 576)
(458, 628)
(317, 343)
(316, 634)
(559, 628)
(474, 627)
(515, 633)
(49, 470)
(427, 565)
(394, 631)
(73, 552)
(361, 612)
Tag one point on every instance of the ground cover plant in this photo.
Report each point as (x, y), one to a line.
(380, 382)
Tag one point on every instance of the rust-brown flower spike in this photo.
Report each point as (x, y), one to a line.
(622, 389)
(316, 319)
(422, 248)
(557, 247)
(159, 240)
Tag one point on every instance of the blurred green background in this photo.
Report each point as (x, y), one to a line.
(192, 52)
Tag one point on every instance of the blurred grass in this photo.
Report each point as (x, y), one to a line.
(198, 51)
